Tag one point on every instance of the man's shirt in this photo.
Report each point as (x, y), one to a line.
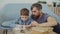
(41, 19)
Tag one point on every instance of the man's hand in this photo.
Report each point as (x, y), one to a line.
(34, 23)
(28, 26)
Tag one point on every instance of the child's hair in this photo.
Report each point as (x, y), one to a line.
(24, 12)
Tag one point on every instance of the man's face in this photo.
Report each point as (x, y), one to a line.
(35, 12)
(24, 18)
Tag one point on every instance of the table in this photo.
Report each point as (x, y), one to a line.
(42, 30)
(36, 30)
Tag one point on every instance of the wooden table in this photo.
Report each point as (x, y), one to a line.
(42, 30)
(36, 30)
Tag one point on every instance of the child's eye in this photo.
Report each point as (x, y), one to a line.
(25, 17)
(22, 17)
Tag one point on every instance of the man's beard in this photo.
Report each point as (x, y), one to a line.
(36, 17)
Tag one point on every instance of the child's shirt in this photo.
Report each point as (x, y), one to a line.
(21, 22)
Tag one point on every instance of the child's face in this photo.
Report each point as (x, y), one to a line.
(24, 18)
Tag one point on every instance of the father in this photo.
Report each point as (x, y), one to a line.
(40, 18)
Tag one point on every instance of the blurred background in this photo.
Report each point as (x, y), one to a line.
(9, 9)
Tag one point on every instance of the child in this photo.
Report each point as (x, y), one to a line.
(24, 21)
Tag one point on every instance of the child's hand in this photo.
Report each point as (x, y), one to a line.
(19, 26)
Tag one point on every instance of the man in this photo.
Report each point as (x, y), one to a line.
(41, 19)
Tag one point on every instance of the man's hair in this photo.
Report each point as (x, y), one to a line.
(37, 5)
(24, 11)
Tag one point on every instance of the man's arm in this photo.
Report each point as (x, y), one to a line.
(50, 22)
